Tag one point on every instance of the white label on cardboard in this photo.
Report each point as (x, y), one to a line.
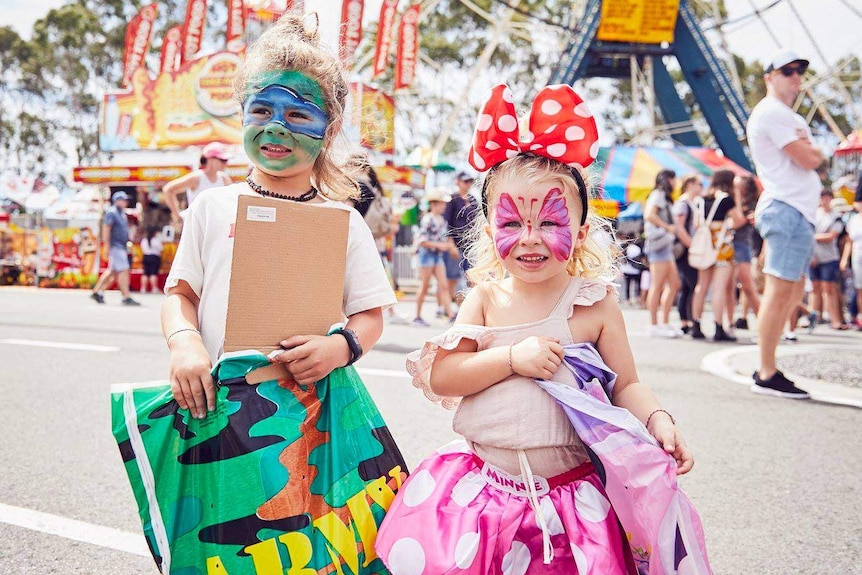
(260, 214)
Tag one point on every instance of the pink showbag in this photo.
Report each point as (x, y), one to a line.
(661, 524)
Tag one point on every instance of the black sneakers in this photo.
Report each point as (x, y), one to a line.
(777, 386)
(97, 297)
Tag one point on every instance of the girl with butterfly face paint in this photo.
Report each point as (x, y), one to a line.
(538, 348)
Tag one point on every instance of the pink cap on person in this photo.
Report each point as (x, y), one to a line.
(216, 150)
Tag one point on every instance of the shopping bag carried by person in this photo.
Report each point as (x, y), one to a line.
(279, 478)
(702, 252)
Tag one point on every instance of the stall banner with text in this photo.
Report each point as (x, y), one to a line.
(639, 21)
(374, 113)
(279, 478)
(192, 106)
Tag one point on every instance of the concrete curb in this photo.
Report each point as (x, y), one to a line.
(718, 363)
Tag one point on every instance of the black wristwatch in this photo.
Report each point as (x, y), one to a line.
(352, 343)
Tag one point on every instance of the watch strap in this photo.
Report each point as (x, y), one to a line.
(352, 343)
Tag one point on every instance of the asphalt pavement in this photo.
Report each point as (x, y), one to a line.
(778, 483)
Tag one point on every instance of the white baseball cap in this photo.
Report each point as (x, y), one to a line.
(783, 58)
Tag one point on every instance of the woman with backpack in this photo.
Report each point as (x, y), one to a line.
(717, 212)
(660, 237)
(683, 215)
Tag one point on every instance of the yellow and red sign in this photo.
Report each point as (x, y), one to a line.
(374, 113)
(138, 34)
(235, 24)
(192, 106)
(142, 174)
(640, 21)
(408, 48)
(169, 59)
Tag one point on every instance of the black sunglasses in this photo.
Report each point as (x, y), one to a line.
(790, 70)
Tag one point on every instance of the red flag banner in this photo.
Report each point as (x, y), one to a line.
(408, 48)
(384, 36)
(351, 28)
(193, 29)
(235, 23)
(170, 50)
(138, 34)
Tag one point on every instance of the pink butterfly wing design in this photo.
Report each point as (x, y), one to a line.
(506, 238)
(557, 238)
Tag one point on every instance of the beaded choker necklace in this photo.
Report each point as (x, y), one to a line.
(309, 195)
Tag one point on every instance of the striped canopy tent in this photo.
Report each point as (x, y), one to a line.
(627, 173)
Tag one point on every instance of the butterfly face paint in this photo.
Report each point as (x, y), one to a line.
(517, 221)
(283, 121)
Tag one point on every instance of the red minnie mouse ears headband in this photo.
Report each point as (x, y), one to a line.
(561, 128)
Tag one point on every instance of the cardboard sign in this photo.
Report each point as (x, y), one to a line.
(287, 274)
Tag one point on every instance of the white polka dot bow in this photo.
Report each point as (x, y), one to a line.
(561, 128)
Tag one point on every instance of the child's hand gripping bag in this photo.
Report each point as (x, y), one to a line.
(280, 478)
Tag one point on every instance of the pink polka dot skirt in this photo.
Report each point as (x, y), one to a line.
(456, 515)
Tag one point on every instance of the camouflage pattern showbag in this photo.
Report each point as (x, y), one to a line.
(279, 479)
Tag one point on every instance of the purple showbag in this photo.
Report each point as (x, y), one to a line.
(661, 524)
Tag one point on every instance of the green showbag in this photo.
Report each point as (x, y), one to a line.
(280, 479)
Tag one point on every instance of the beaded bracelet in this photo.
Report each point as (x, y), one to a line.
(168, 341)
(672, 420)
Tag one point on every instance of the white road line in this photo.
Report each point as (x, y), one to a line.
(371, 371)
(61, 345)
(133, 543)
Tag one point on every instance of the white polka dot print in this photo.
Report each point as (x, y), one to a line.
(594, 150)
(556, 150)
(419, 488)
(687, 566)
(590, 503)
(551, 107)
(516, 561)
(551, 129)
(407, 557)
(507, 123)
(485, 121)
(507, 96)
(511, 154)
(575, 165)
(468, 488)
(580, 559)
(478, 161)
(535, 147)
(492, 146)
(552, 518)
(575, 133)
(530, 137)
(466, 549)
(583, 110)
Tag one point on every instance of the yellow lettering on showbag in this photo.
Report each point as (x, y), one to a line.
(215, 566)
(340, 537)
(395, 473)
(363, 522)
(266, 558)
(300, 552)
(380, 493)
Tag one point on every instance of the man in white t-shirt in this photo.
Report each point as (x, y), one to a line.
(785, 159)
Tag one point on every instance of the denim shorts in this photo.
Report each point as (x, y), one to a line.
(430, 258)
(658, 256)
(825, 272)
(453, 266)
(789, 240)
(118, 259)
(742, 253)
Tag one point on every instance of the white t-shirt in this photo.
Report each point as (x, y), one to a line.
(152, 247)
(204, 183)
(773, 125)
(826, 252)
(205, 253)
(854, 230)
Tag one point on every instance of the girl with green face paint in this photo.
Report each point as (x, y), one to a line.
(284, 122)
(292, 95)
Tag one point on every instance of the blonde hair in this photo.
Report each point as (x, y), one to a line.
(596, 258)
(291, 45)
